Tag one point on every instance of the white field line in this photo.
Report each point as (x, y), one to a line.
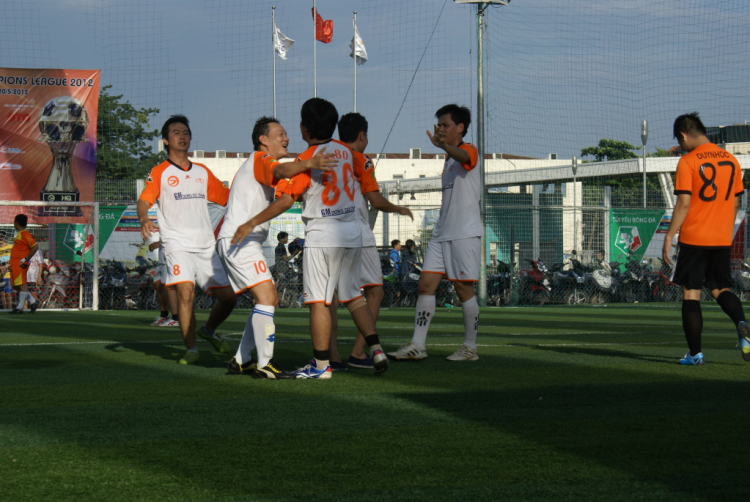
(350, 340)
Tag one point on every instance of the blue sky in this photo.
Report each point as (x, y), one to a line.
(560, 75)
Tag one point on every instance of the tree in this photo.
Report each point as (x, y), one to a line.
(123, 144)
(660, 152)
(610, 149)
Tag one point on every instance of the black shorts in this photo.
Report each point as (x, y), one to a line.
(698, 267)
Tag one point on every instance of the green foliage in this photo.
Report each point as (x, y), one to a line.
(610, 149)
(124, 145)
(660, 152)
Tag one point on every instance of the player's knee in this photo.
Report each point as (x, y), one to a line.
(356, 304)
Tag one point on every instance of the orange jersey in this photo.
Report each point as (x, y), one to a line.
(252, 191)
(182, 215)
(330, 207)
(368, 237)
(713, 178)
(22, 244)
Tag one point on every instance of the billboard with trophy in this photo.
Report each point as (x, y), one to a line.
(48, 136)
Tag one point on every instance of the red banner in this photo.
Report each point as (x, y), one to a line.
(48, 134)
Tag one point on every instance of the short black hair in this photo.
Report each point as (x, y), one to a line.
(281, 235)
(319, 118)
(262, 128)
(394, 242)
(690, 124)
(459, 115)
(22, 220)
(174, 119)
(410, 243)
(350, 125)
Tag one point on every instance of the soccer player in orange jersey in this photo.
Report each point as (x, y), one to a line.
(183, 190)
(455, 243)
(353, 132)
(253, 191)
(24, 248)
(708, 187)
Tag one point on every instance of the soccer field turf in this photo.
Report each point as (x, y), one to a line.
(564, 404)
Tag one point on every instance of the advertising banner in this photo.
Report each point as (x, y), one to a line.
(640, 233)
(48, 137)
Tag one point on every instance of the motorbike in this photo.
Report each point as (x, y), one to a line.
(661, 287)
(567, 286)
(112, 279)
(534, 285)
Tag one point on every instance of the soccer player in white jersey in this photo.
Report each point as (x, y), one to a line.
(183, 190)
(333, 236)
(252, 191)
(353, 132)
(454, 248)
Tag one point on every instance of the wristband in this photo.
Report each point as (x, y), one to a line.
(24, 260)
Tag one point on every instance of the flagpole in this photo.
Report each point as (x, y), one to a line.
(354, 57)
(315, 51)
(273, 54)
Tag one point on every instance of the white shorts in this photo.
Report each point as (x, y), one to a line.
(245, 265)
(371, 274)
(331, 270)
(201, 268)
(160, 273)
(457, 260)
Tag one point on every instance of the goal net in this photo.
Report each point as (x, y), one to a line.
(62, 275)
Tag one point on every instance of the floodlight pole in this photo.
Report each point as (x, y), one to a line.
(644, 138)
(480, 147)
(273, 54)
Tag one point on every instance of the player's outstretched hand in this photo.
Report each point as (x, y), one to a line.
(242, 231)
(323, 161)
(148, 227)
(666, 250)
(404, 211)
(437, 139)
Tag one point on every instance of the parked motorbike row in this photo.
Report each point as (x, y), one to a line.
(612, 282)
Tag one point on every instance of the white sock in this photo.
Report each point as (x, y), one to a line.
(424, 314)
(265, 332)
(247, 344)
(31, 298)
(22, 299)
(471, 322)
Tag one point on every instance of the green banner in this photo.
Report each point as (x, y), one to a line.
(109, 216)
(631, 232)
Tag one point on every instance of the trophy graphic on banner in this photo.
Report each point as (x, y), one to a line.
(63, 122)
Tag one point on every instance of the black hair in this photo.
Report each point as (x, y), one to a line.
(174, 119)
(690, 124)
(22, 220)
(394, 242)
(319, 118)
(410, 243)
(459, 115)
(350, 125)
(262, 128)
(281, 235)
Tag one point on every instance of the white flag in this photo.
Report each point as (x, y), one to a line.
(281, 43)
(360, 48)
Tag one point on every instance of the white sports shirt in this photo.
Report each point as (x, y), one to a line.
(459, 210)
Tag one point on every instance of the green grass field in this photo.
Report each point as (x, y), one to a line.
(563, 404)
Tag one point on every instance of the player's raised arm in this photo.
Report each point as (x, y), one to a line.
(321, 161)
(382, 204)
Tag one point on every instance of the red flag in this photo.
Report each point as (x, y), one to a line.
(323, 29)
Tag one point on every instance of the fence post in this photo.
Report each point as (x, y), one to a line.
(608, 207)
(386, 217)
(535, 220)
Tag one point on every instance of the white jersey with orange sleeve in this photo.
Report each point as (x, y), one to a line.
(182, 213)
(459, 210)
(330, 208)
(370, 185)
(252, 191)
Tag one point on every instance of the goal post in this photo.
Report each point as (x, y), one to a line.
(63, 275)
